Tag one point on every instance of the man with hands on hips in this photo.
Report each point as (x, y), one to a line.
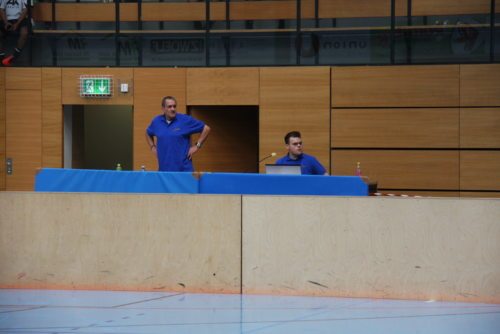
(173, 137)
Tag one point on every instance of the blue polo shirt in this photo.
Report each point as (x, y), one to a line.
(308, 164)
(173, 141)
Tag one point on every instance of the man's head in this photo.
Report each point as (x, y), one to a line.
(293, 143)
(169, 107)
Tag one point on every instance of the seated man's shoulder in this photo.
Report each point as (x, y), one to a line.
(282, 160)
(309, 157)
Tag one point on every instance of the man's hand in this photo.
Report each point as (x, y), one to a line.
(192, 150)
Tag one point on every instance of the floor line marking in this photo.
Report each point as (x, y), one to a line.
(148, 300)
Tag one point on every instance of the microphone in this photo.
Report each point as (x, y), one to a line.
(267, 157)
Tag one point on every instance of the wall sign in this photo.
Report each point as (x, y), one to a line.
(96, 86)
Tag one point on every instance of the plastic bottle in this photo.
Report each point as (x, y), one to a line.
(118, 167)
(358, 169)
(143, 168)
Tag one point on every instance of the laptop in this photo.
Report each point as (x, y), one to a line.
(283, 169)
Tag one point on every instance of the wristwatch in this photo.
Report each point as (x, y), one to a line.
(198, 144)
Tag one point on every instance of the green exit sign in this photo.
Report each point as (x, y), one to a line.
(96, 86)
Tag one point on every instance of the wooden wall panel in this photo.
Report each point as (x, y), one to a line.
(249, 10)
(150, 86)
(480, 85)
(395, 86)
(52, 118)
(403, 248)
(2, 129)
(395, 128)
(24, 137)
(120, 242)
(182, 11)
(402, 169)
(449, 7)
(71, 82)
(295, 98)
(23, 78)
(480, 127)
(94, 12)
(222, 86)
(480, 170)
(84, 12)
(359, 8)
(270, 10)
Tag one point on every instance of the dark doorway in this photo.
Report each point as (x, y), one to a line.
(98, 137)
(233, 144)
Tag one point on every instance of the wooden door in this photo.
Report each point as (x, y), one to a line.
(23, 137)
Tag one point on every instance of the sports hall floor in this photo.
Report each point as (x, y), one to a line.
(96, 312)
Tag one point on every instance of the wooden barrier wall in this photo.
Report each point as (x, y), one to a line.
(120, 242)
(441, 249)
(430, 130)
(423, 130)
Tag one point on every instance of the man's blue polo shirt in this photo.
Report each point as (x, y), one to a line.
(173, 141)
(308, 164)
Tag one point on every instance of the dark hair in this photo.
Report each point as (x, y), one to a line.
(295, 134)
(163, 101)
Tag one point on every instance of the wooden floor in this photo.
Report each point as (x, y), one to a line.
(96, 312)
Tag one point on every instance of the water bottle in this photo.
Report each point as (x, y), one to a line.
(358, 169)
(143, 168)
(118, 167)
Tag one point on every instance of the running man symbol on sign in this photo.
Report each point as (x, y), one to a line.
(89, 86)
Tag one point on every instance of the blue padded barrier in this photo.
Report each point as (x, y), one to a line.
(262, 184)
(87, 180)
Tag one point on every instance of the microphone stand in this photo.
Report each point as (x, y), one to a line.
(267, 157)
(273, 154)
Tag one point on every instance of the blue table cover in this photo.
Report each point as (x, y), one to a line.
(263, 184)
(88, 180)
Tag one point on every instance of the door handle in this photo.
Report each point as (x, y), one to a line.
(9, 165)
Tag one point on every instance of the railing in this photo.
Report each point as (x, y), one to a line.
(289, 32)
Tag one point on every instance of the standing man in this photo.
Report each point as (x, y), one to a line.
(173, 137)
(14, 19)
(308, 164)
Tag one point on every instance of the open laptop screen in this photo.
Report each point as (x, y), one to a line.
(283, 169)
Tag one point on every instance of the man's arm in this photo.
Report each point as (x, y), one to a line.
(320, 169)
(23, 15)
(4, 18)
(151, 142)
(323, 169)
(203, 136)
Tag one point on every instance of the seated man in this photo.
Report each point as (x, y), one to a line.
(14, 18)
(308, 163)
